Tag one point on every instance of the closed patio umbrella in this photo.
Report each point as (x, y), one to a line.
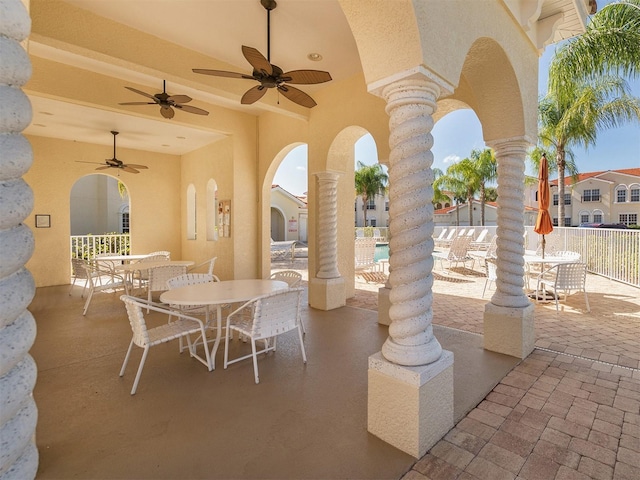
(543, 222)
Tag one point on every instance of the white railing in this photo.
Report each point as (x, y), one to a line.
(609, 252)
(88, 246)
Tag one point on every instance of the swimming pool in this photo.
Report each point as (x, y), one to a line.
(382, 251)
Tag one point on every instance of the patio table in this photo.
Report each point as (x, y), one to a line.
(218, 294)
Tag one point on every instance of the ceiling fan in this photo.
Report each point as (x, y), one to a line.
(115, 163)
(272, 76)
(167, 102)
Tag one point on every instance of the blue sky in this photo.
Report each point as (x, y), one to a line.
(456, 134)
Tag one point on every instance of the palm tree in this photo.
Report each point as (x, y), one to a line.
(370, 180)
(574, 117)
(439, 197)
(486, 168)
(610, 45)
(463, 180)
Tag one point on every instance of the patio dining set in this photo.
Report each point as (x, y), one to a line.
(191, 305)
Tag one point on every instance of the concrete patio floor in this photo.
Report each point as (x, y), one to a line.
(570, 410)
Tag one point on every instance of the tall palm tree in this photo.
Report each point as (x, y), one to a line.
(439, 197)
(370, 180)
(574, 117)
(486, 168)
(610, 45)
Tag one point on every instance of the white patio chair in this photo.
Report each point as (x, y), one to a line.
(145, 338)
(445, 242)
(480, 243)
(142, 275)
(458, 253)
(293, 279)
(264, 318)
(492, 273)
(158, 277)
(365, 251)
(563, 277)
(103, 280)
(443, 232)
(79, 272)
(208, 263)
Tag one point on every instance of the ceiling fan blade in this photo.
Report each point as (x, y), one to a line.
(140, 92)
(306, 77)
(94, 163)
(127, 168)
(133, 165)
(167, 112)
(222, 73)
(179, 98)
(192, 109)
(253, 95)
(104, 168)
(257, 60)
(137, 103)
(297, 96)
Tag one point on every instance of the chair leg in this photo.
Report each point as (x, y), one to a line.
(304, 353)
(86, 304)
(126, 358)
(226, 347)
(135, 382)
(255, 360)
(586, 300)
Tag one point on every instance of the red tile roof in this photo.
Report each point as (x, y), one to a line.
(568, 180)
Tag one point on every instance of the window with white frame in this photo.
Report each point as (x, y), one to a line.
(555, 198)
(371, 204)
(591, 195)
(621, 194)
(597, 216)
(567, 199)
(628, 218)
(372, 222)
(634, 193)
(584, 217)
(567, 221)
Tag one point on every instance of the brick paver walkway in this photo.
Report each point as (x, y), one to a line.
(570, 410)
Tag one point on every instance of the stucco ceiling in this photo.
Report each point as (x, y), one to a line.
(216, 29)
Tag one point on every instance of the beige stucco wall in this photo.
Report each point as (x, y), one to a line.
(154, 196)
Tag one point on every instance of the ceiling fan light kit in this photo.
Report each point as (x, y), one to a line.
(272, 76)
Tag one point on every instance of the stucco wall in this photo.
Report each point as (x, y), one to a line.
(154, 207)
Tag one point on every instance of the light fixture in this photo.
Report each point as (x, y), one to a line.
(314, 57)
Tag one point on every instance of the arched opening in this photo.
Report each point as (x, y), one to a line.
(97, 203)
(277, 225)
(212, 210)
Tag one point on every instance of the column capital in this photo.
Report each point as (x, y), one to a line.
(328, 175)
(418, 75)
(502, 144)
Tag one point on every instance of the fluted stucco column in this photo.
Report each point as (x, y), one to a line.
(411, 380)
(508, 319)
(18, 412)
(327, 288)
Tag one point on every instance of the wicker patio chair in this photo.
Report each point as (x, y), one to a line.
(145, 338)
(264, 318)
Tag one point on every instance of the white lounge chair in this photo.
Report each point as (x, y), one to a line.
(458, 253)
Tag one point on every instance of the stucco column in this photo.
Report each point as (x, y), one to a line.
(411, 380)
(327, 288)
(508, 318)
(18, 412)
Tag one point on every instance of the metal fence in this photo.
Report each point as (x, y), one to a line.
(88, 246)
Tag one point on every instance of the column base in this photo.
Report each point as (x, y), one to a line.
(509, 330)
(327, 293)
(410, 408)
(384, 304)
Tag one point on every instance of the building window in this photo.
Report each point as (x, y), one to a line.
(629, 218)
(597, 216)
(592, 195)
(635, 194)
(555, 221)
(621, 195)
(355, 205)
(555, 199)
(372, 222)
(584, 218)
(371, 204)
(567, 221)
(125, 222)
(567, 199)
(386, 205)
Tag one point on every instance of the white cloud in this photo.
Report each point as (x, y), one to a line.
(302, 168)
(451, 159)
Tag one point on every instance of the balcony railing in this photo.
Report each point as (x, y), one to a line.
(88, 246)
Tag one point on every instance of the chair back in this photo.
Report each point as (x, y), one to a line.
(571, 276)
(492, 251)
(567, 255)
(492, 269)
(276, 313)
(189, 279)
(292, 277)
(158, 276)
(459, 247)
(483, 235)
(365, 251)
(452, 233)
(442, 234)
(166, 254)
(209, 263)
(136, 320)
(78, 268)
(461, 232)
(471, 233)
